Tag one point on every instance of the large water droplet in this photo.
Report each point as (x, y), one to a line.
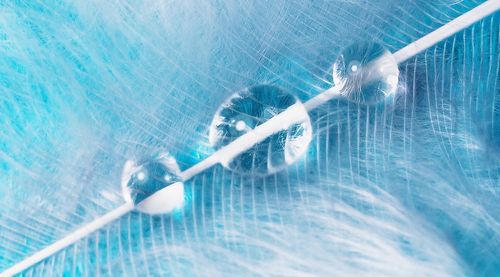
(366, 73)
(251, 107)
(154, 185)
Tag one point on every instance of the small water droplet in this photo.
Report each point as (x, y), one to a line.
(153, 185)
(366, 73)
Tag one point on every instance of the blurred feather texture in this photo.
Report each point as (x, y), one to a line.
(408, 188)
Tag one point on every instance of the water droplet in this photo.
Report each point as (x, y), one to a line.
(366, 73)
(249, 108)
(154, 185)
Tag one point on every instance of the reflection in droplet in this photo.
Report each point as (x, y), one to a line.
(366, 73)
(249, 108)
(154, 185)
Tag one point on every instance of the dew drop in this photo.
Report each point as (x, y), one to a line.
(249, 108)
(366, 73)
(153, 185)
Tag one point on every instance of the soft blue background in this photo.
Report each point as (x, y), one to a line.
(409, 188)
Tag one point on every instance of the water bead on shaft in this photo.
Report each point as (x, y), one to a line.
(366, 73)
(153, 185)
(251, 107)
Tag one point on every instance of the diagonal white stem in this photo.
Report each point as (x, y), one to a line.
(88, 228)
(261, 132)
(447, 30)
